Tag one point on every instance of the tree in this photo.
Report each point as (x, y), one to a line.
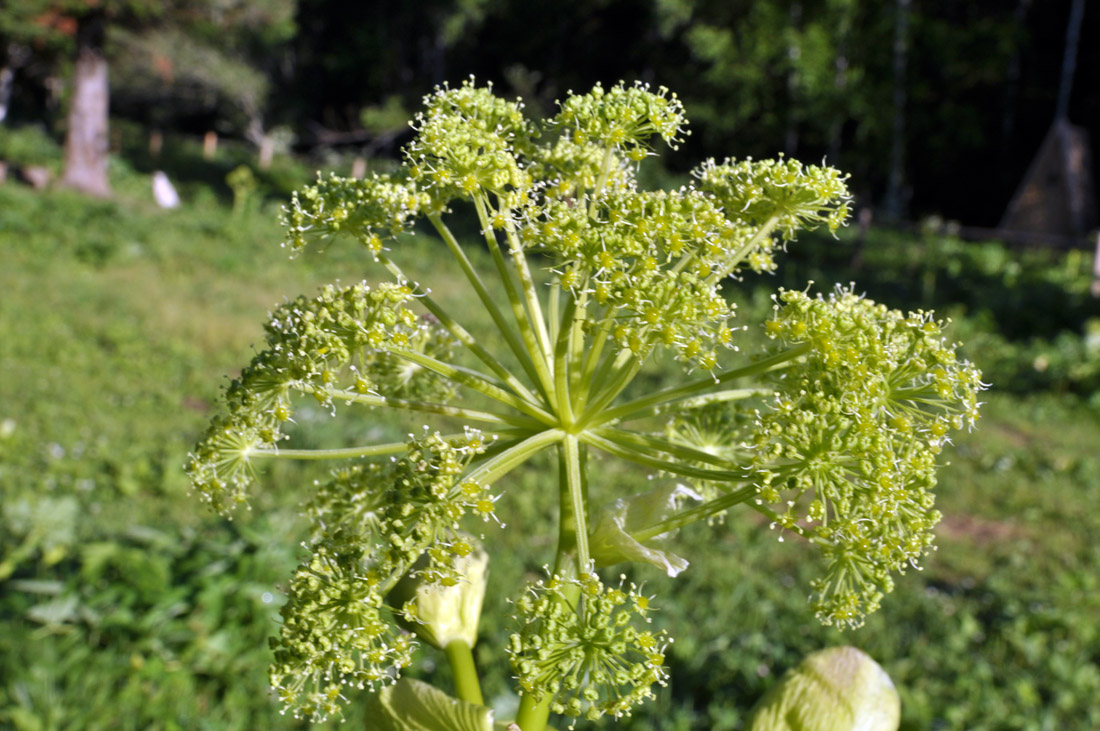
(207, 40)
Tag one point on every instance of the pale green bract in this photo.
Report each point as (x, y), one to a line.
(832, 432)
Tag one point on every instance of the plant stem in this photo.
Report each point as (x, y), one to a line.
(528, 283)
(751, 244)
(375, 450)
(461, 660)
(649, 442)
(487, 302)
(574, 500)
(476, 381)
(460, 333)
(629, 452)
(487, 417)
(692, 515)
(630, 408)
(497, 466)
(533, 714)
(530, 340)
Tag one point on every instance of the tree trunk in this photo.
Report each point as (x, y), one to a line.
(895, 192)
(86, 140)
(1069, 59)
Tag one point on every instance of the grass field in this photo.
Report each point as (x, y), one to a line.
(124, 604)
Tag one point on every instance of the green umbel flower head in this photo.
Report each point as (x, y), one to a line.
(580, 643)
(833, 432)
(847, 447)
(371, 524)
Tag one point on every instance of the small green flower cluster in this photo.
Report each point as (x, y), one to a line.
(370, 525)
(623, 117)
(336, 633)
(754, 191)
(578, 644)
(366, 209)
(313, 345)
(404, 506)
(468, 140)
(646, 258)
(568, 169)
(856, 427)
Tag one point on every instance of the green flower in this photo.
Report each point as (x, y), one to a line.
(367, 209)
(623, 117)
(468, 141)
(579, 643)
(847, 447)
(335, 346)
(336, 634)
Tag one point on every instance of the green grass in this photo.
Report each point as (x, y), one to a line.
(125, 604)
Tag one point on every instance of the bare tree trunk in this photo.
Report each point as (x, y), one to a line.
(895, 192)
(1012, 80)
(794, 81)
(86, 140)
(1069, 59)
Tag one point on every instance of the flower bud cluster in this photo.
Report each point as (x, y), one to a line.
(623, 117)
(579, 644)
(568, 169)
(646, 259)
(468, 141)
(335, 340)
(336, 633)
(847, 448)
(406, 506)
(366, 209)
(801, 196)
(370, 525)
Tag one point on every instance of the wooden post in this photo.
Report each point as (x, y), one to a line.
(209, 145)
(358, 166)
(267, 152)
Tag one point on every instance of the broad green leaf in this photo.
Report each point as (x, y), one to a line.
(412, 705)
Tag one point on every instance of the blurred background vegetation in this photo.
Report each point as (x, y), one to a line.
(125, 605)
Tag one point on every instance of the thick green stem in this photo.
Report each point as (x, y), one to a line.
(591, 360)
(625, 371)
(374, 450)
(697, 402)
(461, 660)
(530, 293)
(645, 459)
(649, 442)
(497, 466)
(533, 714)
(573, 527)
(693, 515)
(460, 333)
(561, 364)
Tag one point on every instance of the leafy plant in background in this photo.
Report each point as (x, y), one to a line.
(832, 431)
